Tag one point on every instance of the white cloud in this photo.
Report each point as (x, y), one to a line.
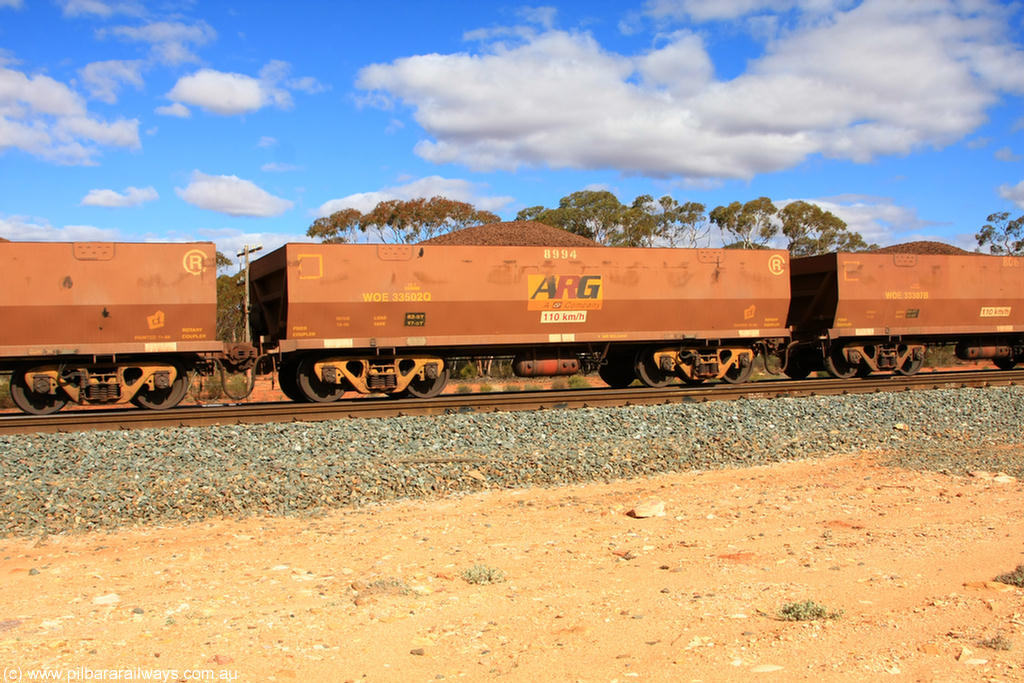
(1014, 193)
(1006, 154)
(231, 195)
(712, 10)
(132, 196)
(230, 241)
(104, 79)
(230, 94)
(307, 84)
(682, 68)
(278, 167)
(12, 4)
(877, 219)
(452, 188)
(542, 16)
(120, 133)
(171, 42)
(219, 92)
(46, 118)
(174, 109)
(266, 141)
(879, 79)
(100, 8)
(24, 229)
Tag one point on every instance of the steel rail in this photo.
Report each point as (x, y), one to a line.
(251, 413)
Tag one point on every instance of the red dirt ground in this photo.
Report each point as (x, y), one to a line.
(591, 593)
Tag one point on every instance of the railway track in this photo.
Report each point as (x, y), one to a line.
(252, 413)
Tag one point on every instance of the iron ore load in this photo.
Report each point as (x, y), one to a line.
(390, 318)
(114, 323)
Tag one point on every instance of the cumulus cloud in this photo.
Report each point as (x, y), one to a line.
(219, 92)
(104, 79)
(878, 219)
(230, 94)
(24, 229)
(132, 196)
(881, 78)
(171, 42)
(174, 109)
(1014, 193)
(1006, 154)
(231, 195)
(452, 188)
(46, 118)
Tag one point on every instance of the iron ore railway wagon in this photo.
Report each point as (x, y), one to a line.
(113, 323)
(390, 318)
(105, 323)
(859, 313)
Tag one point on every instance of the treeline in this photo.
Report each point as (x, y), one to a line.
(1002, 234)
(600, 216)
(397, 221)
(664, 222)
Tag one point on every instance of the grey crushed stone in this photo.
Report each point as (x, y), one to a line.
(54, 483)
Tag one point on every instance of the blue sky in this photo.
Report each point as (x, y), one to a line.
(243, 122)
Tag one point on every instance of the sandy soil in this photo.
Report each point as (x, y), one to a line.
(591, 593)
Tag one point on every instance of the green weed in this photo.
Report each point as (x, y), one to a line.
(482, 574)
(808, 610)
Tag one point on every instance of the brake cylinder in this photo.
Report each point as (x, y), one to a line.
(544, 365)
(966, 351)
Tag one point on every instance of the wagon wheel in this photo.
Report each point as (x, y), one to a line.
(1004, 363)
(738, 374)
(314, 389)
(617, 373)
(838, 366)
(797, 367)
(162, 399)
(287, 381)
(428, 388)
(32, 402)
(648, 371)
(910, 366)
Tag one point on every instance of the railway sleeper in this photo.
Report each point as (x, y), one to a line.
(694, 365)
(390, 375)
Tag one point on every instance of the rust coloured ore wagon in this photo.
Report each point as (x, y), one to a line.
(860, 313)
(107, 323)
(391, 318)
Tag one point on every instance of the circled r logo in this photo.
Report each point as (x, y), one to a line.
(776, 264)
(193, 261)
